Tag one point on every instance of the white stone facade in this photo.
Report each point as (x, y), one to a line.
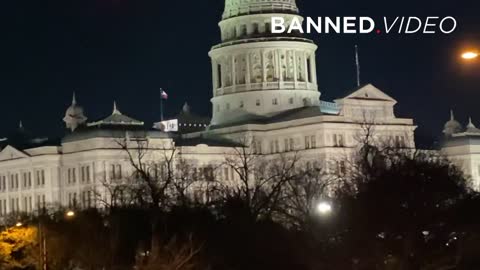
(264, 90)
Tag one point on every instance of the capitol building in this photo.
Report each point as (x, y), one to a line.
(265, 96)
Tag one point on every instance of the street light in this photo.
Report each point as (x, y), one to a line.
(18, 224)
(324, 208)
(468, 55)
(70, 214)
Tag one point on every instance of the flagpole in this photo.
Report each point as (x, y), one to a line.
(161, 105)
(357, 63)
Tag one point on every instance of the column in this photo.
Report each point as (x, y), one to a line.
(294, 68)
(247, 70)
(234, 74)
(314, 67)
(305, 68)
(264, 73)
(214, 77)
(280, 65)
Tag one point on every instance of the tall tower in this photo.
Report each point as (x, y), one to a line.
(257, 73)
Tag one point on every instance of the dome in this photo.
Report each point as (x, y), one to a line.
(74, 116)
(235, 8)
(471, 128)
(452, 126)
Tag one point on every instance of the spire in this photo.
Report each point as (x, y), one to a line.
(470, 123)
(186, 108)
(115, 110)
(452, 117)
(20, 125)
(74, 99)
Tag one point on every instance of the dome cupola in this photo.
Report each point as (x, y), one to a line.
(452, 126)
(74, 115)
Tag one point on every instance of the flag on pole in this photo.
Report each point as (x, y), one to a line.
(164, 95)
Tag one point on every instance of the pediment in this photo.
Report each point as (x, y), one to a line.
(10, 152)
(370, 92)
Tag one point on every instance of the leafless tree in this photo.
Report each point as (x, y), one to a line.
(260, 180)
(173, 255)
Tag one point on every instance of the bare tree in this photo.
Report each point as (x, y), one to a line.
(260, 180)
(153, 170)
(173, 255)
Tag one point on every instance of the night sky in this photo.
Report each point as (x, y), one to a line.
(127, 49)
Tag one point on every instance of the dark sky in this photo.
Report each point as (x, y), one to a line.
(126, 49)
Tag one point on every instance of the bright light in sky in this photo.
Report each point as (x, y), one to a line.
(469, 55)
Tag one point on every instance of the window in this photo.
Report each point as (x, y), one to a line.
(219, 76)
(226, 173)
(287, 146)
(227, 106)
(116, 171)
(243, 30)
(290, 100)
(309, 71)
(43, 178)
(241, 104)
(24, 180)
(268, 28)
(16, 180)
(255, 28)
(85, 174)
(313, 141)
(307, 142)
(292, 144)
(275, 101)
(74, 175)
(338, 140)
(258, 102)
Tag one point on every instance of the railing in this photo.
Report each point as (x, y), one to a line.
(329, 107)
(265, 86)
(264, 39)
(253, 8)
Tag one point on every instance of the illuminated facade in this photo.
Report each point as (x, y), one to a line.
(462, 147)
(265, 96)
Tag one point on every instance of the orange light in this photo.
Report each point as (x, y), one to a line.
(70, 214)
(469, 55)
(18, 224)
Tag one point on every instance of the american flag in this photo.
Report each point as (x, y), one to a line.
(163, 94)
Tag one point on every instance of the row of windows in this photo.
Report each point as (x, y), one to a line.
(86, 199)
(86, 174)
(25, 206)
(14, 182)
(257, 103)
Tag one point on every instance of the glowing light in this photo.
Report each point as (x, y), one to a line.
(324, 208)
(469, 55)
(70, 214)
(19, 224)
